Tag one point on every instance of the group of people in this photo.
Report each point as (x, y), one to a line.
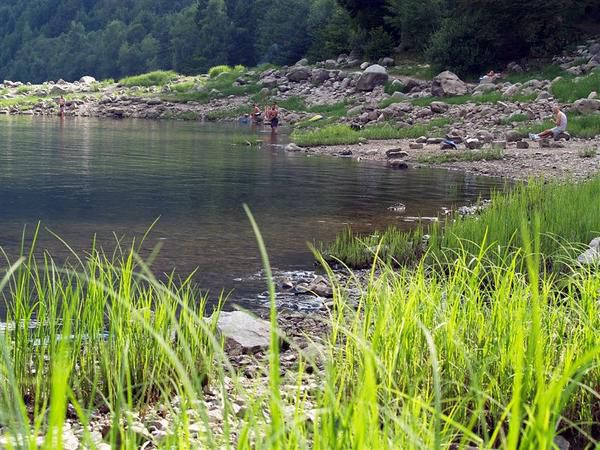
(270, 115)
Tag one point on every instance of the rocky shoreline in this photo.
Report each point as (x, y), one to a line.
(564, 160)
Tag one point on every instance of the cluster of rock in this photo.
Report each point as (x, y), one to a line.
(585, 59)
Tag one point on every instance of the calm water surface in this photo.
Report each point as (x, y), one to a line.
(112, 179)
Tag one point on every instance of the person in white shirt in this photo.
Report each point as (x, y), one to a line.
(560, 128)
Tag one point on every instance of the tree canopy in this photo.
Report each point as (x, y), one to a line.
(51, 39)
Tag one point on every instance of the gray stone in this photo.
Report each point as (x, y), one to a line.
(302, 62)
(512, 90)
(522, 144)
(473, 143)
(57, 90)
(86, 79)
(396, 153)
(448, 84)
(485, 87)
(364, 65)
(592, 254)
(416, 146)
(586, 105)
(485, 136)
(243, 332)
(268, 82)
(439, 107)
(299, 73)
(513, 136)
(562, 443)
(291, 147)
(320, 76)
(373, 76)
(387, 62)
(434, 141)
(398, 164)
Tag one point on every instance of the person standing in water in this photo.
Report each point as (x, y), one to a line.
(274, 117)
(61, 105)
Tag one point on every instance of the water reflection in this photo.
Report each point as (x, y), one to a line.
(112, 179)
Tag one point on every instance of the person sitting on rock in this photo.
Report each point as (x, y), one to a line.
(557, 131)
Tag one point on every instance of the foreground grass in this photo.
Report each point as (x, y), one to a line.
(428, 359)
(343, 134)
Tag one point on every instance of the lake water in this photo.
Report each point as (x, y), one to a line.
(113, 179)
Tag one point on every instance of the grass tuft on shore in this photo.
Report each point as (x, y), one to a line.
(156, 78)
(343, 134)
(569, 89)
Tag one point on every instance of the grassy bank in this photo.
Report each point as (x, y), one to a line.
(562, 210)
(343, 134)
(467, 155)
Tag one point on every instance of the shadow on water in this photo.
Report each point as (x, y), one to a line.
(111, 179)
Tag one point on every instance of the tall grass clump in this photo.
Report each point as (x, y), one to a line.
(566, 218)
(467, 155)
(436, 361)
(99, 335)
(569, 89)
(156, 78)
(215, 71)
(395, 247)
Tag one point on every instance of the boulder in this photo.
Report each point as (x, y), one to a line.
(473, 143)
(485, 136)
(268, 82)
(373, 76)
(302, 62)
(592, 254)
(439, 107)
(512, 90)
(586, 105)
(387, 62)
(594, 49)
(398, 164)
(57, 90)
(485, 87)
(522, 144)
(320, 76)
(364, 65)
(86, 79)
(447, 84)
(513, 136)
(244, 333)
(299, 73)
(396, 153)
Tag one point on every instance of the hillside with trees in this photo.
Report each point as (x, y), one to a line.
(51, 39)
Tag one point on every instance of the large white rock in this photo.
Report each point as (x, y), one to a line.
(86, 79)
(592, 254)
(374, 75)
(243, 332)
(447, 84)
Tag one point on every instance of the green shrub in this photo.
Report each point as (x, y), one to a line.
(215, 71)
(156, 78)
(589, 152)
